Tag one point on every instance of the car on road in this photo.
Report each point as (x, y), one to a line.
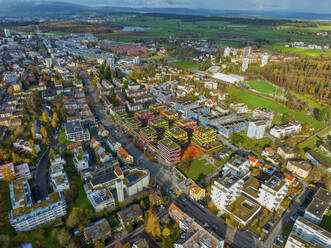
(291, 196)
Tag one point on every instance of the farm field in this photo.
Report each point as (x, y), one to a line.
(262, 86)
(253, 100)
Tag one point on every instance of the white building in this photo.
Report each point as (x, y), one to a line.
(100, 199)
(245, 64)
(240, 108)
(7, 32)
(81, 159)
(228, 78)
(227, 52)
(286, 129)
(272, 192)
(256, 129)
(311, 233)
(318, 207)
(264, 59)
(27, 215)
(264, 113)
(22, 171)
(237, 166)
(24, 145)
(226, 190)
(136, 60)
(59, 179)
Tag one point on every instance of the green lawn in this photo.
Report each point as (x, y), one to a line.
(199, 169)
(262, 86)
(300, 51)
(254, 101)
(326, 221)
(81, 200)
(185, 64)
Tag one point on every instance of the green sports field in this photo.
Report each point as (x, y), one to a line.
(262, 86)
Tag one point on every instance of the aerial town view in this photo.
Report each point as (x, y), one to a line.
(151, 124)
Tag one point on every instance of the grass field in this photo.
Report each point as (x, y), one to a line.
(254, 100)
(199, 169)
(160, 28)
(326, 221)
(262, 86)
(185, 64)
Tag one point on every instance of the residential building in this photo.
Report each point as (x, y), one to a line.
(240, 108)
(158, 123)
(196, 192)
(75, 132)
(236, 166)
(235, 126)
(325, 148)
(140, 243)
(295, 241)
(186, 124)
(264, 113)
(243, 210)
(124, 156)
(169, 151)
(148, 134)
(99, 230)
(204, 138)
(256, 129)
(184, 107)
(177, 134)
(318, 207)
(169, 115)
(196, 234)
(59, 179)
(24, 145)
(311, 233)
(103, 132)
(100, 198)
(22, 171)
(130, 215)
(7, 171)
(144, 115)
(299, 167)
(135, 180)
(316, 159)
(280, 131)
(100, 151)
(272, 192)
(157, 108)
(132, 123)
(286, 152)
(226, 190)
(113, 144)
(27, 215)
(35, 129)
(81, 159)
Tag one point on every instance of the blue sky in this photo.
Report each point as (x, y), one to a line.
(317, 6)
(323, 6)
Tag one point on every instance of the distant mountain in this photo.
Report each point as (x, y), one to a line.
(39, 8)
(49, 8)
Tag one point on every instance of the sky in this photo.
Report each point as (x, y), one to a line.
(317, 6)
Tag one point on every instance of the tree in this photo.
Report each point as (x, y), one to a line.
(63, 237)
(78, 216)
(328, 183)
(54, 123)
(15, 158)
(4, 241)
(45, 117)
(166, 232)
(315, 174)
(98, 244)
(55, 117)
(8, 174)
(153, 225)
(142, 204)
(33, 147)
(51, 153)
(44, 132)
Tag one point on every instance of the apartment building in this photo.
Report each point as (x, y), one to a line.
(229, 128)
(177, 134)
(226, 190)
(299, 167)
(237, 166)
(272, 192)
(256, 129)
(7, 171)
(204, 138)
(27, 215)
(148, 134)
(99, 230)
(75, 132)
(169, 151)
(264, 113)
(318, 207)
(100, 198)
(58, 177)
(280, 131)
(81, 159)
(311, 233)
(186, 124)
